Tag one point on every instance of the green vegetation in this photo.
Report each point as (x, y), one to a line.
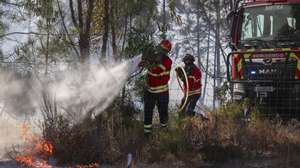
(113, 134)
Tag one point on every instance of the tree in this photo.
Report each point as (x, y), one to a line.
(2, 30)
(82, 20)
(49, 43)
(106, 28)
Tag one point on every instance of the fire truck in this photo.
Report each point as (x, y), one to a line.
(264, 65)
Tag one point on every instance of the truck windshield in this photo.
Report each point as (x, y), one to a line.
(271, 26)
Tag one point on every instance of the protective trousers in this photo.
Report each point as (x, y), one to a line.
(190, 104)
(150, 100)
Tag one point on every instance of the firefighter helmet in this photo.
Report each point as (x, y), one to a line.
(166, 45)
(188, 58)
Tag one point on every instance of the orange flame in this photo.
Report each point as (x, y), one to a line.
(31, 162)
(42, 149)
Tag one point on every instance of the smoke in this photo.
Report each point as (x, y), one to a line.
(77, 91)
(10, 134)
(88, 89)
(16, 94)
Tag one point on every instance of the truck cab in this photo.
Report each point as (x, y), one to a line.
(264, 65)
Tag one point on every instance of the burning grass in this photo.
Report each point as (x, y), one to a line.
(36, 151)
(106, 138)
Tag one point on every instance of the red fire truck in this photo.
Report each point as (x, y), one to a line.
(264, 65)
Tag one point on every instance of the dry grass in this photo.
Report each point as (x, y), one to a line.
(104, 139)
(226, 136)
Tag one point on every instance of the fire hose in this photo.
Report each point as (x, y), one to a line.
(185, 92)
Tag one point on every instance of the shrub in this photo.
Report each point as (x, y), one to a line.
(113, 134)
(103, 139)
(227, 136)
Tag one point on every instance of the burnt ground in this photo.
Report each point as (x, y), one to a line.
(259, 163)
(9, 164)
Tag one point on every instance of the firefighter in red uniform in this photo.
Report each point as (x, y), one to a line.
(157, 90)
(194, 82)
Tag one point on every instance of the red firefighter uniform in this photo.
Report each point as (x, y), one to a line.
(194, 85)
(159, 76)
(194, 80)
(157, 92)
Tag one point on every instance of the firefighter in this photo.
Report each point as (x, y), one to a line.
(194, 85)
(157, 90)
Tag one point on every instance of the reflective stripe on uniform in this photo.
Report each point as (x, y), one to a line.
(147, 128)
(163, 125)
(193, 77)
(158, 89)
(147, 125)
(162, 46)
(162, 67)
(160, 74)
(193, 92)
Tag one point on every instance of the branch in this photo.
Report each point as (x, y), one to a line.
(80, 19)
(24, 33)
(73, 13)
(10, 3)
(65, 27)
(13, 40)
(89, 16)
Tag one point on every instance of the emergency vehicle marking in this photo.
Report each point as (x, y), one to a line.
(258, 57)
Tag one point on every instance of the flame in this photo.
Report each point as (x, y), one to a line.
(30, 161)
(44, 147)
(38, 151)
(37, 146)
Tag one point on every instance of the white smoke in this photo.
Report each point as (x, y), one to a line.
(16, 94)
(10, 134)
(80, 91)
(94, 88)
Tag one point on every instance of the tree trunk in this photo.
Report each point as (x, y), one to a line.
(84, 47)
(218, 45)
(206, 69)
(66, 30)
(84, 29)
(47, 48)
(83, 25)
(113, 32)
(124, 37)
(198, 36)
(106, 29)
(217, 81)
